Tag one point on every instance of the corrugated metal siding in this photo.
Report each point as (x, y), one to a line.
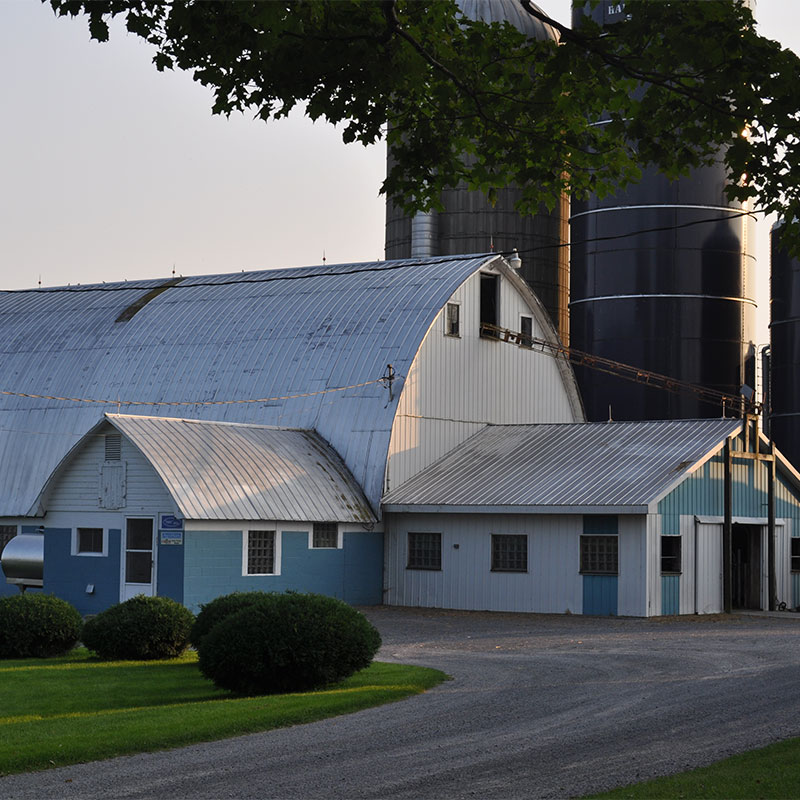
(632, 598)
(551, 585)
(229, 471)
(458, 385)
(217, 338)
(597, 464)
(670, 594)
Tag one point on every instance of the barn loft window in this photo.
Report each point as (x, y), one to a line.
(795, 554)
(509, 553)
(424, 550)
(452, 320)
(261, 553)
(325, 534)
(489, 300)
(7, 533)
(526, 329)
(88, 542)
(670, 555)
(113, 447)
(599, 555)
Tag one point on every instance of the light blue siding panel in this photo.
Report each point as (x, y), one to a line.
(67, 576)
(670, 594)
(213, 566)
(795, 589)
(600, 595)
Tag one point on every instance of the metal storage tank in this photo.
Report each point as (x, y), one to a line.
(784, 330)
(469, 224)
(673, 294)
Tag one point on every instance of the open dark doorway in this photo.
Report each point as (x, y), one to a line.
(746, 563)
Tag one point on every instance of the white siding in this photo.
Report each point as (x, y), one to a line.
(633, 573)
(551, 585)
(783, 576)
(457, 385)
(708, 572)
(653, 566)
(77, 488)
(688, 550)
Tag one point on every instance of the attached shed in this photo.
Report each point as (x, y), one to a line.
(604, 518)
(233, 399)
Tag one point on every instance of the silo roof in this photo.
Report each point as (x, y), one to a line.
(302, 348)
(508, 11)
(230, 471)
(611, 467)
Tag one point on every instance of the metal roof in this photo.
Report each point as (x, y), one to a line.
(289, 337)
(508, 11)
(603, 466)
(218, 470)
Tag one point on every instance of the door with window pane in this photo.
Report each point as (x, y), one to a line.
(138, 558)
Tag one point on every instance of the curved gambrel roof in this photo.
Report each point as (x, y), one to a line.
(286, 337)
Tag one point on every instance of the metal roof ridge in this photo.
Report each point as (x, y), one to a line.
(112, 416)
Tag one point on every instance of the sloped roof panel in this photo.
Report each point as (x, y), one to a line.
(223, 471)
(606, 464)
(212, 345)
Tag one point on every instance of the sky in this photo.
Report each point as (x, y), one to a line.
(110, 170)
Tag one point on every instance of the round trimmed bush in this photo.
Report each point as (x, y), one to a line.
(139, 629)
(34, 625)
(287, 643)
(219, 608)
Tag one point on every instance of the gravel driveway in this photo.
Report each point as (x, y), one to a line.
(539, 706)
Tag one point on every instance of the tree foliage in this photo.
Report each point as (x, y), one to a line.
(674, 85)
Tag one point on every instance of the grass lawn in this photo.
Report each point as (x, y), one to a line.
(66, 710)
(771, 772)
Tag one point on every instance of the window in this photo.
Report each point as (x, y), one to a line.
(424, 550)
(796, 554)
(509, 553)
(526, 329)
(599, 555)
(261, 553)
(489, 303)
(670, 555)
(88, 542)
(452, 319)
(325, 534)
(7, 533)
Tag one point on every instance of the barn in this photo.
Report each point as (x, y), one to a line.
(196, 436)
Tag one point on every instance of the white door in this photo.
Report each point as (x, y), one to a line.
(708, 568)
(138, 558)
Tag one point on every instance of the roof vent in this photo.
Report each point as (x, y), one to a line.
(113, 447)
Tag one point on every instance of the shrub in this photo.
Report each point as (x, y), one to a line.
(219, 608)
(139, 629)
(287, 643)
(37, 625)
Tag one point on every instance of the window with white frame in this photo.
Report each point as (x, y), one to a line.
(88, 542)
(424, 550)
(509, 552)
(260, 553)
(325, 535)
(452, 320)
(7, 533)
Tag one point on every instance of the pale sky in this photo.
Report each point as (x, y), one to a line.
(112, 171)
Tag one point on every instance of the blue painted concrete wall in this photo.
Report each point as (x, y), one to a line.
(67, 576)
(169, 568)
(354, 573)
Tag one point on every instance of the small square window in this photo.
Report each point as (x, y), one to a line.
(599, 555)
(89, 540)
(526, 331)
(452, 319)
(670, 555)
(795, 554)
(509, 553)
(424, 550)
(261, 552)
(325, 534)
(7, 533)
